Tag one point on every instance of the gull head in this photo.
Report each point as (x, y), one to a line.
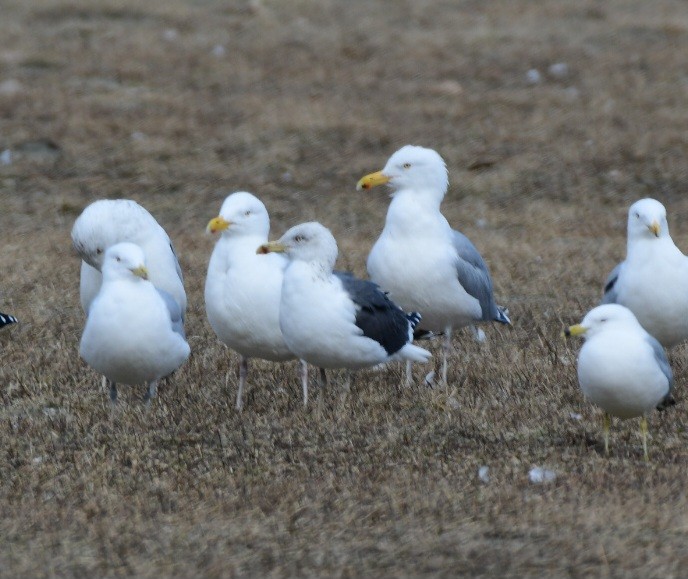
(647, 219)
(107, 222)
(603, 318)
(124, 261)
(411, 167)
(241, 214)
(309, 242)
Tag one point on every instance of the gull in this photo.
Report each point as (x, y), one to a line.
(243, 289)
(653, 280)
(107, 222)
(423, 263)
(621, 367)
(337, 321)
(130, 335)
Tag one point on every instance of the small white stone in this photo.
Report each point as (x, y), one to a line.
(37, 459)
(170, 34)
(575, 416)
(538, 475)
(219, 51)
(558, 70)
(138, 136)
(533, 76)
(484, 474)
(11, 86)
(6, 157)
(482, 223)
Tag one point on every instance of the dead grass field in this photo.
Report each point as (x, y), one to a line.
(175, 105)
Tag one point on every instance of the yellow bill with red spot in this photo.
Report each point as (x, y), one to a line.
(372, 180)
(217, 224)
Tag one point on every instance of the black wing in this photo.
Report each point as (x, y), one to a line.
(6, 320)
(379, 317)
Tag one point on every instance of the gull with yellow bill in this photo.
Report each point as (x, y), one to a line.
(424, 264)
(621, 368)
(243, 289)
(653, 280)
(130, 335)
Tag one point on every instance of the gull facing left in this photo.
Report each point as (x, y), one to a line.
(337, 321)
(621, 368)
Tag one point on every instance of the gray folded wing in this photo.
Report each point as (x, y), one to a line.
(610, 295)
(176, 316)
(474, 277)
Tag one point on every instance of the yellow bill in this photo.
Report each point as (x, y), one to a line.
(577, 330)
(655, 228)
(271, 247)
(372, 180)
(140, 271)
(217, 224)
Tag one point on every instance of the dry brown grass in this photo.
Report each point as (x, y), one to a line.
(122, 99)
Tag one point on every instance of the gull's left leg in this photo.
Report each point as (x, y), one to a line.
(606, 425)
(151, 393)
(304, 381)
(643, 434)
(113, 390)
(446, 349)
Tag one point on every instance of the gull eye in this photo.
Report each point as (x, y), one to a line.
(298, 238)
(637, 215)
(118, 258)
(99, 251)
(406, 165)
(603, 320)
(247, 213)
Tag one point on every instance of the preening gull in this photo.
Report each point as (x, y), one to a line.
(653, 280)
(107, 222)
(7, 320)
(621, 368)
(337, 321)
(129, 335)
(422, 262)
(243, 289)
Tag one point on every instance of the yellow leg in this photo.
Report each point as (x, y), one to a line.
(643, 433)
(607, 423)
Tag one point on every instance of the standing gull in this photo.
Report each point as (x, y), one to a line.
(653, 280)
(422, 262)
(107, 222)
(621, 368)
(129, 335)
(337, 321)
(242, 289)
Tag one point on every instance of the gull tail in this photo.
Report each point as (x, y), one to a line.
(6, 320)
(414, 319)
(502, 315)
(412, 354)
(668, 401)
